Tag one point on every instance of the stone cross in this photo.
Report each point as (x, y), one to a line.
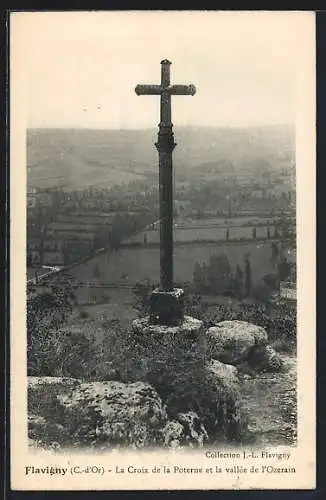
(166, 296)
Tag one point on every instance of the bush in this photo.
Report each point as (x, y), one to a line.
(194, 305)
(84, 314)
(61, 353)
(142, 291)
(120, 354)
(261, 292)
(104, 352)
(284, 345)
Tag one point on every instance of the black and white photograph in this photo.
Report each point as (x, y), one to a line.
(165, 245)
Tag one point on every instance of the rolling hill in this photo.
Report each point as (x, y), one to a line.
(79, 158)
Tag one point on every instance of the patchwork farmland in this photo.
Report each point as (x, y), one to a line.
(130, 265)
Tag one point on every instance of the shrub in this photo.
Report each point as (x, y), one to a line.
(120, 354)
(261, 292)
(142, 292)
(61, 353)
(194, 305)
(84, 314)
(284, 345)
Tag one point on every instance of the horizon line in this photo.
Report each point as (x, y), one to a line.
(124, 129)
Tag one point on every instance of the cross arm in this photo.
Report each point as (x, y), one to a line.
(182, 90)
(148, 89)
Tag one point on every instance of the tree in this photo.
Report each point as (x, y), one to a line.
(29, 258)
(238, 281)
(247, 277)
(271, 281)
(262, 292)
(198, 277)
(66, 254)
(275, 252)
(97, 271)
(142, 291)
(285, 228)
(46, 311)
(283, 270)
(219, 274)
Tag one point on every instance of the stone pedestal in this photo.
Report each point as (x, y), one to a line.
(167, 307)
(168, 352)
(176, 361)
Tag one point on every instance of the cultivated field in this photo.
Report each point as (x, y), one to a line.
(73, 226)
(131, 265)
(201, 234)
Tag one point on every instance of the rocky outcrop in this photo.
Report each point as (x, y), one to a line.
(231, 341)
(244, 345)
(213, 394)
(225, 375)
(186, 429)
(176, 363)
(70, 412)
(65, 413)
(264, 359)
(182, 397)
(165, 352)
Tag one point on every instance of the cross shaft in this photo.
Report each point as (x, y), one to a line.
(165, 146)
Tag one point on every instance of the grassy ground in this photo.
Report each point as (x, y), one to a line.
(104, 312)
(270, 400)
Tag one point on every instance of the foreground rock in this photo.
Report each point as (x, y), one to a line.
(213, 394)
(70, 412)
(225, 375)
(244, 345)
(175, 361)
(196, 398)
(185, 430)
(264, 359)
(231, 341)
(66, 412)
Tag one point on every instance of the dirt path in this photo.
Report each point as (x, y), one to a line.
(270, 401)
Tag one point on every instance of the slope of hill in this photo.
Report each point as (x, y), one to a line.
(79, 158)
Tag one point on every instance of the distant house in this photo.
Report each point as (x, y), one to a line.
(288, 290)
(31, 197)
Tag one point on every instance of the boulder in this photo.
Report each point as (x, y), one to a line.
(264, 359)
(186, 429)
(225, 375)
(103, 415)
(212, 393)
(173, 434)
(231, 341)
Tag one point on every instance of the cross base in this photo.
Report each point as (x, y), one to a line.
(167, 307)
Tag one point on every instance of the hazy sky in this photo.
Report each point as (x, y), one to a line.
(80, 69)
